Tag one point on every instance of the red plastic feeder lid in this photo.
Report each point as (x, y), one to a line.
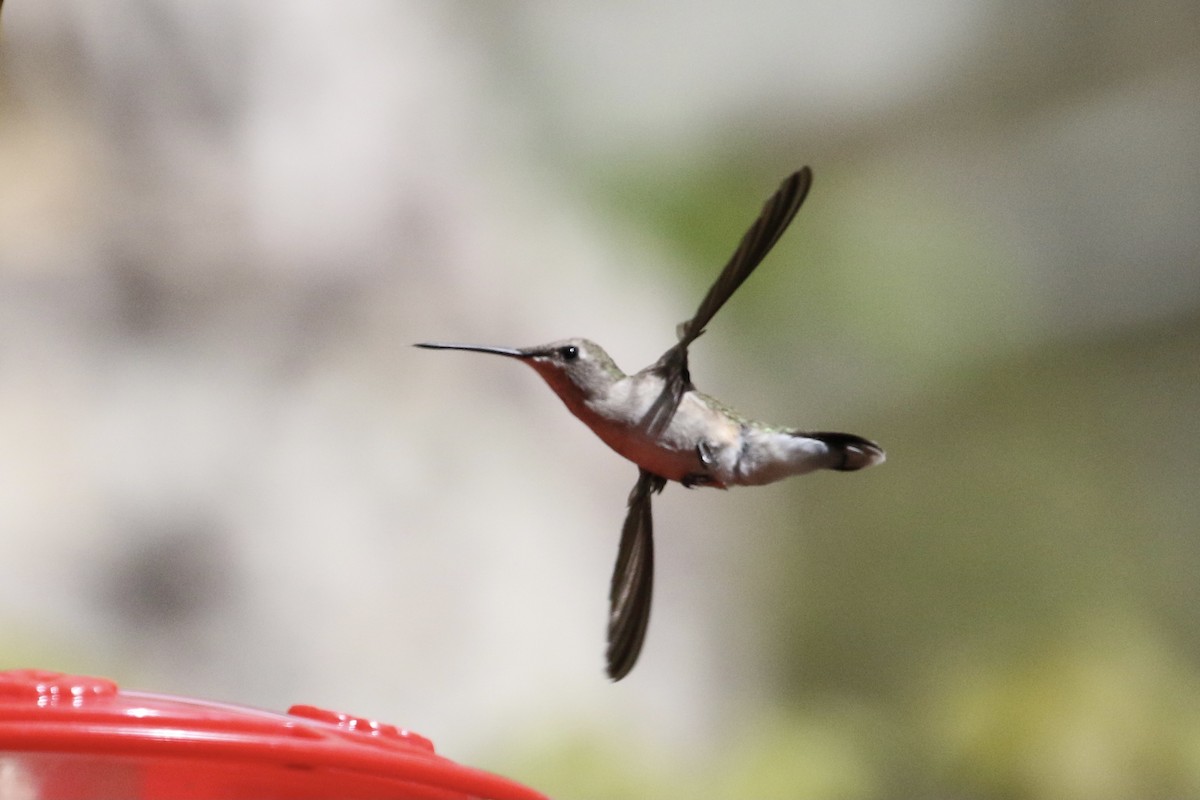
(65, 737)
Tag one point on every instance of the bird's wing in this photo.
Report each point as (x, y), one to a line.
(633, 579)
(772, 221)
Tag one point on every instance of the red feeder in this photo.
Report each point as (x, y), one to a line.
(65, 737)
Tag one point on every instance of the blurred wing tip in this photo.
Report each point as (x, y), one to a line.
(618, 667)
(802, 182)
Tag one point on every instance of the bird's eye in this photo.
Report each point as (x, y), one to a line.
(569, 352)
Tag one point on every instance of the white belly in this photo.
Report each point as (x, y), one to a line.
(675, 454)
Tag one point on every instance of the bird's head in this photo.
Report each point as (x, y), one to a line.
(576, 369)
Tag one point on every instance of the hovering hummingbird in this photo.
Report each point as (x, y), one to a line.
(657, 419)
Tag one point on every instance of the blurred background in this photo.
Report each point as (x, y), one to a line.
(225, 473)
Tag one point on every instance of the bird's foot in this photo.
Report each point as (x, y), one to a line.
(694, 479)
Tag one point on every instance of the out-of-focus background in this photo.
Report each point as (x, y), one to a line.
(225, 473)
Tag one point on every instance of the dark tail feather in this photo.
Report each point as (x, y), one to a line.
(849, 452)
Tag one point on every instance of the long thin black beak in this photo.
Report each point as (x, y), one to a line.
(511, 352)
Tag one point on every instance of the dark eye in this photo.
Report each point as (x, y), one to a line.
(569, 353)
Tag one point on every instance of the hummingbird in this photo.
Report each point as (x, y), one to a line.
(658, 420)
